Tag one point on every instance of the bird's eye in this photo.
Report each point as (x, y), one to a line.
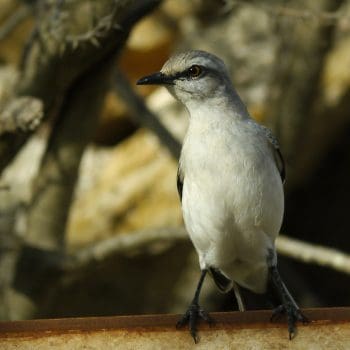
(195, 71)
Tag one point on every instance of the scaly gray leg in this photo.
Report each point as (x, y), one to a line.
(288, 306)
(194, 312)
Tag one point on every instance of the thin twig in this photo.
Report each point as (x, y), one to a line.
(314, 254)
(143, 116)
(144, 239)
(13, 21)
(126, 243)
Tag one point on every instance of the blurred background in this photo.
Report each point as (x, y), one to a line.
(90, 220)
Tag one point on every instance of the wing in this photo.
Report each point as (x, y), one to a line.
(180, 181)
(277, 152)
(280, 164)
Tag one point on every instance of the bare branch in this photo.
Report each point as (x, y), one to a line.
(13, 21)
(151, 239)
(52, 61)
(315, 254)
(54, 186)
(71, 84)
(22, 113)
(162, 237)
(142, 115)
(16, 113)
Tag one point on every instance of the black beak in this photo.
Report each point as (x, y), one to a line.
(156, 79)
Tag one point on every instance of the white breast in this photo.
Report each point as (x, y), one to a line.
(232, 198)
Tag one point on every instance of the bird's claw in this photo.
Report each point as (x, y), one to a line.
(193, 313)
(293, 314)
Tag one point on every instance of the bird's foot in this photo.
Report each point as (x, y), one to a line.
(191, 317)
(293, 314)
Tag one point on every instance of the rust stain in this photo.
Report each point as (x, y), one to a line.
(166, 323)
(328, 329)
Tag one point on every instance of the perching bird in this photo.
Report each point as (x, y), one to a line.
(230, 181)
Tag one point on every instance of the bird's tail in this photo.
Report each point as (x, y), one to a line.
(224, 283)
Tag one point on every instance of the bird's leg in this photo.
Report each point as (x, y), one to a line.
(194, 312)
(288, 306)
(240, 302)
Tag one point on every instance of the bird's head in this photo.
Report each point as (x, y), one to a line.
(191, 76)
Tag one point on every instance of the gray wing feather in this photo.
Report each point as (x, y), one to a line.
(180, 181)
(277, 152)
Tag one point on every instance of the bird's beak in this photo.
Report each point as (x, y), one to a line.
(158, 78)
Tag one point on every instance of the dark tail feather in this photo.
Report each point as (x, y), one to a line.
(222, 282)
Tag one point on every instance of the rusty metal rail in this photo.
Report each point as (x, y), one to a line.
(329, 329)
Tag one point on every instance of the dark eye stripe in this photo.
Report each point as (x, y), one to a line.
(185, 75)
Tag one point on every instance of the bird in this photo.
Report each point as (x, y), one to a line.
(230, 181)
